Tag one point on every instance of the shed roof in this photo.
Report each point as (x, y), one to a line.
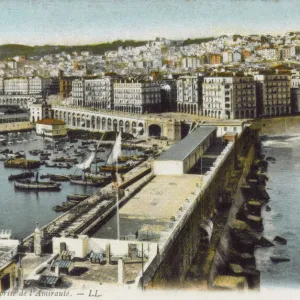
(187, 145)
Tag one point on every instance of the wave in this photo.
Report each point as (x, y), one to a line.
(275, 143)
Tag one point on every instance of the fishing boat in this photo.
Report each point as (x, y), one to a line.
(22, 163)
(86, 182)
(36, 185)
(77, 197)
(63, 166)
(21, 176)
(59, 177)
(44, 176)
(59, 159)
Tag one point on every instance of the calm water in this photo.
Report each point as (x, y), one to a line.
(283, 219)
(21, 210)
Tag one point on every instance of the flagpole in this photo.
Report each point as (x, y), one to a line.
(117, 190)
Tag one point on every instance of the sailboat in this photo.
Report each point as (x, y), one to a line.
(97, 180)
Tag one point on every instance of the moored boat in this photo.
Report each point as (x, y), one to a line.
(77, 197)
(36, 185)
(59, 177)
(22, 163)
(21, 176)
(121, 169)
(86, 182)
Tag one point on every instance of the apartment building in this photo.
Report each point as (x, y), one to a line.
(26, 85)
(273, 94)
(137, 96)
(226, 96)
(189, 94)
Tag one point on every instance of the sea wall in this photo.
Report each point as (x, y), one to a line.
(289, 125)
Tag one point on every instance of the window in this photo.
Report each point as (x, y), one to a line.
(234, 129)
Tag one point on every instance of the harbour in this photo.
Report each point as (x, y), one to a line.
(22, 209)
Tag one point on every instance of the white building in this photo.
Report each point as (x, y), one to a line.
(189, 94)
(95, 93)
(227, 57)
(181, 157)
(39, 111)
(229, 97)
(51, 128)
(137, 97)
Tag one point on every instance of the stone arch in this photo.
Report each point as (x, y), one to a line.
(127, 126)
(247, 114)
(93, 122)
(133, 126)
(154, 130)
(227, 114)
(121, 125)
(277, 111)
(282, 110)
(205, 233)
(252, 115)
(273, 111)
(109, 124)
(103, 124)
(98, 123)
(242, 114)
(115, 125)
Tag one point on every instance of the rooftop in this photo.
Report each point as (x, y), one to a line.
(185, 146)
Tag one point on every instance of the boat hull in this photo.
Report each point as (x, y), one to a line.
(36, 186)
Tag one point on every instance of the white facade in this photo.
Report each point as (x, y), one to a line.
(229, 97)
(181, 157)
(137, 97)
(189, 94)
(95, 93)
(39, 111)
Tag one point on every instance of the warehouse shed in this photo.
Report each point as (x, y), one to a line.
(181, 157)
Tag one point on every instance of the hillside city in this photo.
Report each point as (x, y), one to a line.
(229, 77)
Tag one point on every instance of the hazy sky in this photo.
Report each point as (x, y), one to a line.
(35, 22)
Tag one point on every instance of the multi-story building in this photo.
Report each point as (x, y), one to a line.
(65, 84)
(189, 94)
(226, 96)
(99, 93)
(268, 52)
(273, 94)
(227, 57)
(192, 62)
(16, 86)
(95, 93)
(215, 59)
(39, 111)
(137, 97)
(26, 85)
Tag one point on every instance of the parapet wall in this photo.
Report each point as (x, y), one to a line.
(278, 126)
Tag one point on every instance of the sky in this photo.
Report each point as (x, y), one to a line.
(72, 22)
